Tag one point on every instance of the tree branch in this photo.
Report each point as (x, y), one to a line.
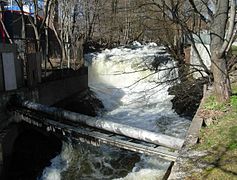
(197, 11)
(230, 31)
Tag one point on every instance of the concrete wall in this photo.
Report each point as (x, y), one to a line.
(2, 87)
(24, 151)
(55, 91)
(47, 93)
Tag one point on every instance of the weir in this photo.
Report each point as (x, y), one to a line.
(96, 130)
(138, 114)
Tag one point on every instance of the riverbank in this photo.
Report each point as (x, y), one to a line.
(215, 154)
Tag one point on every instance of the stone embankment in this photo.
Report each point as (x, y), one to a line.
(180, 170)
(188, 95)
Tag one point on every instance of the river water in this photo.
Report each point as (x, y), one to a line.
(132, 82)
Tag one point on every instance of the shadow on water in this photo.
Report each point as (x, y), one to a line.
(32, 151)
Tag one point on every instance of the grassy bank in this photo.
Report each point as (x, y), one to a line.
(234, 50)
(218, 140)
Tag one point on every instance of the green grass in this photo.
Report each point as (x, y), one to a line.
(234, 88)
(212, 104)
(234, 50)
(220, 140)
(233, 102)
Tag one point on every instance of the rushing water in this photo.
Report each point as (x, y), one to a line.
(127, 81)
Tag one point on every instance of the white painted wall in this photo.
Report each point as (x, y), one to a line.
(9, 71)
(202, 49)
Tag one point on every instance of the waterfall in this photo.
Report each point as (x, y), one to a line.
(132, 82)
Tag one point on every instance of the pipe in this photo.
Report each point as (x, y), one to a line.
(121, 129)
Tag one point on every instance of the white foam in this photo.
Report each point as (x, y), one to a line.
(130, 91)
(144, 174)
(58, 164)
(148, 168)
(117, 76)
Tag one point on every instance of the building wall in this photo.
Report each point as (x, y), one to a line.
(18, 66)
(194, 60)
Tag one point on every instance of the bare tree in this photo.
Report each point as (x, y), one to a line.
(222, 28)
(123, 21)
(218, 17)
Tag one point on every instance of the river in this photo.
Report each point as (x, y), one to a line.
(132, 82)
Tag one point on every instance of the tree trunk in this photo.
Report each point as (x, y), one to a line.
(63, 54)
(221, 78)
(80, 52)
(218, 56)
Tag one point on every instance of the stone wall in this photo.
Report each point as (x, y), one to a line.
(55, 91)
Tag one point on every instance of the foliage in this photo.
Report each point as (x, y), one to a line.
(188, 95)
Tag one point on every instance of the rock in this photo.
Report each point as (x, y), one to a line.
(85, 103)
(208, 121)
(188, 95)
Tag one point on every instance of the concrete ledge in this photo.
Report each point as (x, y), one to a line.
(190, 140)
